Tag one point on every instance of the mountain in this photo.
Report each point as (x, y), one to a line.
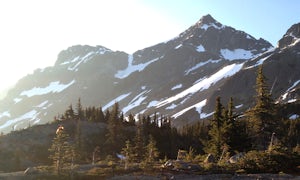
(179, 78)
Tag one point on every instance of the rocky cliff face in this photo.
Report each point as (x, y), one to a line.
(179, 78)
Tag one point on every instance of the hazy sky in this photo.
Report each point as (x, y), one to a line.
(33, 32)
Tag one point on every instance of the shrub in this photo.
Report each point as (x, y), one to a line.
(267, 162)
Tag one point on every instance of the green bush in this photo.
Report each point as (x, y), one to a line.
(267, 162)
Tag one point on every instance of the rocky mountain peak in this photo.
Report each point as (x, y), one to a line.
(78, 50)
(291, 37)
(207, 19)
(210, 36)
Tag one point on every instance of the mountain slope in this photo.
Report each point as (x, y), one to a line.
(179, 78)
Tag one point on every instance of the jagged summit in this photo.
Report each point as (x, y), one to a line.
(291, 37)
(207, 19)
(210, 36)
(78, 50)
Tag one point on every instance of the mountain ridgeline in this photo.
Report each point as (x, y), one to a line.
(180, 78)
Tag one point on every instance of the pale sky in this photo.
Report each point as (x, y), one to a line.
(33, 32)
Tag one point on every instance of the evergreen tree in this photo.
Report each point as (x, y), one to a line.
(79, 150)
(128, 152)
(261, 118)
(114, 130)
(229, 126)
(106, 115)
(131, 120)
(215, 142)
(100, 115)
(79, 110)
(139, 142)
(152, 152)
(69, 114)
(293, 134)
(61, 150)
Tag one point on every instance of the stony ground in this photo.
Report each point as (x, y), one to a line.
(209, 177)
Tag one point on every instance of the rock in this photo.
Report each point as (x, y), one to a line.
(209, 159)
(30, 170)
(235, 158)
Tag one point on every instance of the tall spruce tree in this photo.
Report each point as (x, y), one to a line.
(152, 152)
(79, 150)
(261, 118)
(114, 131)
(79, 110)
(128, 152)
(215, 141)
(100, 115)
(139, 142)
(69, 114)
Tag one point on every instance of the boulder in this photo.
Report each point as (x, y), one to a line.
(235, 158)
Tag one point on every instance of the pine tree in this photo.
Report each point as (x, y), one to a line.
(152, 152)
(237, 138)
(139, 142)
(128, 152)
(229, 125)
(114, 130)
(261, 118)
(61, 150)
(79, 110)
(69, 114)
(78, 141)
(106, 115)
(100, 115)
(215, 143)
(131, 120)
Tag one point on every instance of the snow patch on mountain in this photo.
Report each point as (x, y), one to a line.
(249, 37)
(225, 72)
(17, 100)
(5, 114)
(177, 47)
(236, 54)
(117, 99)
(259, 62)
(200, 48)
(31, 115)
(296, 41)
(83, 59)
(152, 103)
(136, 101)
(284, 96)
(42, 105)
(178, 86)
(198, 107)
(132, 68)
(200, 65)
(53, 87)
(206, 26)
(172, 106)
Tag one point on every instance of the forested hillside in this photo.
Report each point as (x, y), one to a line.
(86, 135)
